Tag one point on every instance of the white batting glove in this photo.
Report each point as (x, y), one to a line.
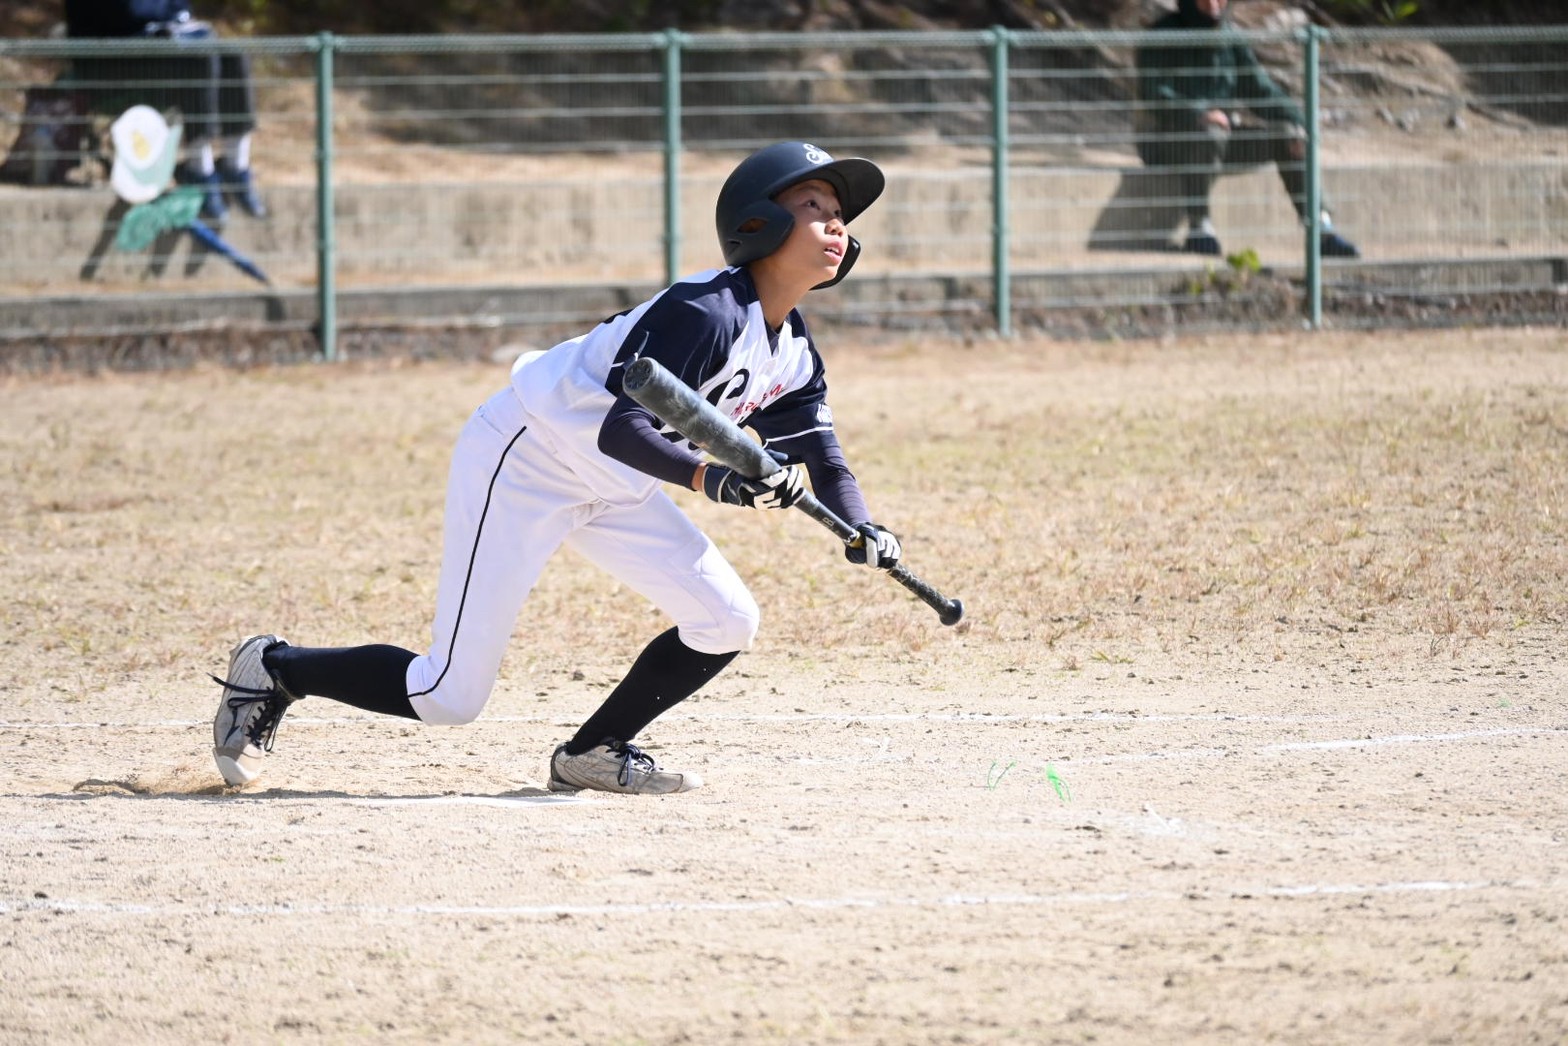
(875, 547)
(780, 490)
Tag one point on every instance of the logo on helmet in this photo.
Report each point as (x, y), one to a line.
(815, 155)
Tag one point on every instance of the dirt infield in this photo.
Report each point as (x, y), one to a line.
(1253, 733)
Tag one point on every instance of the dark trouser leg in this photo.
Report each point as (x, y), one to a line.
(665, 673)
(115, 83)
(1256, 146)
(190, 83)
(237, 117)
(1194, 154)
(1260, 146)
(236, 96)
(368, 677)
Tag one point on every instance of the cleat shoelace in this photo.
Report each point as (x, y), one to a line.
(632, 754)
(265, 727)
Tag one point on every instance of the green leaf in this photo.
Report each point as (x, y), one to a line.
(1245, 261)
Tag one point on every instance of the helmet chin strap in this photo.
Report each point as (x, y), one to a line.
(851, 252)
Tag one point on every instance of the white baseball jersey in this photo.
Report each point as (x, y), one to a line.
(709, 331)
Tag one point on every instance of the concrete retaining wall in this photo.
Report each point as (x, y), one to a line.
(603, 238)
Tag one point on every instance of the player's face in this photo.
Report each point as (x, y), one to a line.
(1211, 8)
(819, 239)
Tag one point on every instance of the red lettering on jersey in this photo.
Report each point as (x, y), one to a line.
(750, 407)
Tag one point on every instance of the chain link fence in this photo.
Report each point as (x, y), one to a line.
(531, 185)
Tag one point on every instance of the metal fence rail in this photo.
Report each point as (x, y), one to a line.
(541, 181)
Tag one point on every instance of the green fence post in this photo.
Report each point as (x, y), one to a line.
(672, 155)
(326, 285)
(1314, 172)
(1001, 271)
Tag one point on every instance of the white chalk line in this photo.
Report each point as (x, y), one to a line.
(502, 801)
(1405, 739)
(1333, 744)
(1211, 752)
(979, 718)
(1029, 900)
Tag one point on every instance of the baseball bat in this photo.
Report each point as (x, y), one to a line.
(678, 405)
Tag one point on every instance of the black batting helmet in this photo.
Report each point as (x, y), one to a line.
(752, 226)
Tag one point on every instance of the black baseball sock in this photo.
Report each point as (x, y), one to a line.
(368, 677)
(665, 673)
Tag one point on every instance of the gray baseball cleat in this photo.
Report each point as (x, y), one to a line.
(616, 766)
(249, 712)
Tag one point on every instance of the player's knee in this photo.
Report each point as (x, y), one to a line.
(734, 630)
(743, 629)
(452, 703)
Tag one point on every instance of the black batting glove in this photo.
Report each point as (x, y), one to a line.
(875, 547)
(728, 487)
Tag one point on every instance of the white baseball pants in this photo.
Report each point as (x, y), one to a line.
(509, 505)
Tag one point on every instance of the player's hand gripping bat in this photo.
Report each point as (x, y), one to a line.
(678, 405)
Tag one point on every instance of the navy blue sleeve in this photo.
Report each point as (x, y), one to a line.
(831, 481)
(684, 338)
(629, 435)
(800, 426)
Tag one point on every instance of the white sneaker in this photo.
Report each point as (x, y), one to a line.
(249, 712)
(616, 766)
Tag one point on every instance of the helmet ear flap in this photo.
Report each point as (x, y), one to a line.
(756, 231)
(851, 252)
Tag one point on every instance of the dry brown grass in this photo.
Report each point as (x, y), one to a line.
(1381, 496)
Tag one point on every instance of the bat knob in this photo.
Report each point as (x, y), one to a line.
(952, 613)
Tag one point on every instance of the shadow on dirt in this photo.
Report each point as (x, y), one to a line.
(192, 788)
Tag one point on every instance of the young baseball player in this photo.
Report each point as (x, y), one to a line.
(562, 456)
